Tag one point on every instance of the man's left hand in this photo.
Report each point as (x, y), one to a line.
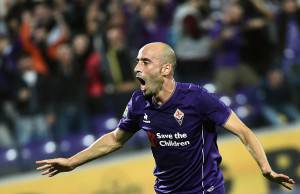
(282, 179)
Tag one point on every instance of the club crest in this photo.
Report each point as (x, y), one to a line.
(179, 115)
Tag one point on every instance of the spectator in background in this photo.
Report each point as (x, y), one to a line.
(70, 95)
(90, 63)
(277, 99)
(13, 16)
(151, 27)
(8, 73)
(82, 50)
(32, 100)
(230, 72)
(6, 133)
(288, 44)
(117, 16)
(258, 47)
(131, 10)
(8, 65)
(96, 18)
(192, 43)
(96, 22)
(196, 8)
(288, 34)
(41, 32)
(122, 80)
(74, 13)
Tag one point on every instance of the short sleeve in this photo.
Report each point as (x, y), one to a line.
(129, 120)
(214, 109)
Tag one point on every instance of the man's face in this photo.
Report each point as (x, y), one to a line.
(233, 13)
(148, 71)
(290, 6)
(3, 43)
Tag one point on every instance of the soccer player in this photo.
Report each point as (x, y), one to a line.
(180, 121)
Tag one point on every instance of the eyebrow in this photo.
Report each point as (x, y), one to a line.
(143, 59)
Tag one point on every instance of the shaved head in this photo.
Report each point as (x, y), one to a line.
(164, 52)
(155, 68)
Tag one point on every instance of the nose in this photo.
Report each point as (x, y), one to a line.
(137, 67)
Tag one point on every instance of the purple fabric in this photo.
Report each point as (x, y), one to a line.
(156, 32)
(228, 54)
(292, 49)
(8, 70)
(183, 138)
(146, 32)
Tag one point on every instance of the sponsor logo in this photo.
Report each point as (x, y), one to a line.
(146, 118)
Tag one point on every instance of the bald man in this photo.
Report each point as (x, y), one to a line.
(180, 120)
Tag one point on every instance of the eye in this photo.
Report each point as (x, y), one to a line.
(147, 61)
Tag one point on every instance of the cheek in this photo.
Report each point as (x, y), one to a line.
(156, 81)
(154, 76)
(155, 72)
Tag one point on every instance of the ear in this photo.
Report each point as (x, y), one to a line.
(166, 69)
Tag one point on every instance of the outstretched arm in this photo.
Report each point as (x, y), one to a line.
(106, 144)
(237, 127)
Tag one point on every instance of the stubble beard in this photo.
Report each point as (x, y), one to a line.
(155, 83)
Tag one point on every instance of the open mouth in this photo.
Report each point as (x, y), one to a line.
(141, 80)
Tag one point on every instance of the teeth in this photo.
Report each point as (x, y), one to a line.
(143, 87)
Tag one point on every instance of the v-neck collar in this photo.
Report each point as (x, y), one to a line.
(167, 103)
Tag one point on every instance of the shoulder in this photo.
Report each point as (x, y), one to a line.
(192, 92)
(190, 88)
(137, 100)
(137, 97)
(198, 94)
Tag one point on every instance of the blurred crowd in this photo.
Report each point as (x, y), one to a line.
(64, 63)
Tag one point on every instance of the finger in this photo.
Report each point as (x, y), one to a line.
(286, 186)
(44, 167)
(47, 171)
(283, 176)
(42, 162)
(290, 181)
(48, 161)
(52, 161)
(53, 173)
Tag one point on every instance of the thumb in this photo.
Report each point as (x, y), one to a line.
(268, 173)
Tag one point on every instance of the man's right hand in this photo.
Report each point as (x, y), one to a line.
(51, 167)
(102, 146)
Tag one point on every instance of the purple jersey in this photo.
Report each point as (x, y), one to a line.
(183, 138)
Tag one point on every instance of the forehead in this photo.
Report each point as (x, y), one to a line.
(149, 52)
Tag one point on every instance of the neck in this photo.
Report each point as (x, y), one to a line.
(166, 91)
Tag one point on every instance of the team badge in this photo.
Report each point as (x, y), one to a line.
(179, 115)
